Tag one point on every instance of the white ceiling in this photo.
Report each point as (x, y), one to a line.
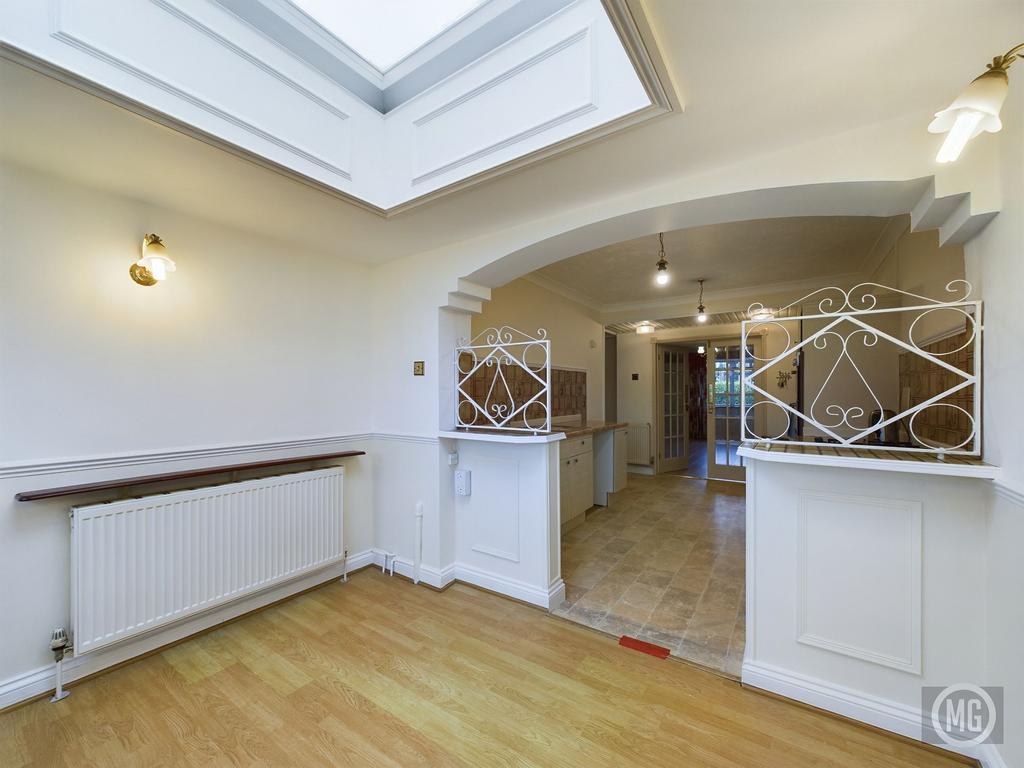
(384, 32)
(741, 66)
(728, 256)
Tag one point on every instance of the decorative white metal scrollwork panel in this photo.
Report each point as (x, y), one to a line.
(504, 381)
(871, 368)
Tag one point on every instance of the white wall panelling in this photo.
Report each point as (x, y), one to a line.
(263, 115)
(855, 601)
(495, 525)
(439, 145)
(564, 80)
(506, 532)
(859, 588)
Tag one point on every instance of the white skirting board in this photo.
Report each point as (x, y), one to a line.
(640, 469)
(856, 705)
(41, 680)
(439, 578)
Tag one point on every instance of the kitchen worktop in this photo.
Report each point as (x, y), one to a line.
(591, 427)
(558, 432)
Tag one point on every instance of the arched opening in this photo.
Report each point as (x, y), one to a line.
(663, 558)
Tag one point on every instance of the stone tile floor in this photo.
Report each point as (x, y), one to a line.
(664, 562)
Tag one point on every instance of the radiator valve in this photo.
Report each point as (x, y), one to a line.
(58, 643)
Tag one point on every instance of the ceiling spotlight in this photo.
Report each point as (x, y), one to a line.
(700, 349)
(976, 109)
(702, 314)
(644, 328)
(661, 276)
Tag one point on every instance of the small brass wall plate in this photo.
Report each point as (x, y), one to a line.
(417, 368)
(141, 275)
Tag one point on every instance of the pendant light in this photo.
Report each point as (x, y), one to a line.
(661, 276)
(702, 315)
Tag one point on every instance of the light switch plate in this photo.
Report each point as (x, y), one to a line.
(417, 368)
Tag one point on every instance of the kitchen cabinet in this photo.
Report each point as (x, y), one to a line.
(576, 479)
(609, 464)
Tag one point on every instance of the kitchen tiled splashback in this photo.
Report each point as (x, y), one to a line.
(568, 390)
(921, 379)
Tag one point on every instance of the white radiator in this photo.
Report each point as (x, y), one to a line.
(639, 446)
(142, 563)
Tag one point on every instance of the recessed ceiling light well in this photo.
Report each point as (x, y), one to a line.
(386, 31)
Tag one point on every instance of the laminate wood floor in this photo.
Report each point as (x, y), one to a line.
(377, 672)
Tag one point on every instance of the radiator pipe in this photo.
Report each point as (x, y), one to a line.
(58, 644)
(418, 552)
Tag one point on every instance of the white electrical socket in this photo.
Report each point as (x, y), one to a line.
(463, 482)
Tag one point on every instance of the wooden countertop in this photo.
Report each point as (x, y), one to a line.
(591, 427)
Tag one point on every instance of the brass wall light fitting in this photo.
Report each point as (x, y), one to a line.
(154, 265)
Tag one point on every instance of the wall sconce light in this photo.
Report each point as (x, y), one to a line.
(976, 109)
(644, 328)
(154, 264)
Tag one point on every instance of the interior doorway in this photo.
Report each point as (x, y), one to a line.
(698, 406)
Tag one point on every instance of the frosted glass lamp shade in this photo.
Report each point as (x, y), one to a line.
(155, 264)
(972, 112)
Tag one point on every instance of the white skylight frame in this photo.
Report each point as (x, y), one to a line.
(357, 24)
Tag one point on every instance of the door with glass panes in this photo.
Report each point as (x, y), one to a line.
(724, 409)
(673, 438)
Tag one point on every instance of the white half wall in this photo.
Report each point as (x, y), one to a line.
(863, 586)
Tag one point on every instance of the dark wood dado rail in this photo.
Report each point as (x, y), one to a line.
(106, 485)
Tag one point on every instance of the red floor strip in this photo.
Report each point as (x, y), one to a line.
(639, 645)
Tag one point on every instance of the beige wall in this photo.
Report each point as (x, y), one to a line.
(577, 338)
(995, 263)
(250, 341)
(917, 264)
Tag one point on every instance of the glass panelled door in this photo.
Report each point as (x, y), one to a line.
(674, 451)
(724, 411)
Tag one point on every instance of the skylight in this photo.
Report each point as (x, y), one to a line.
(384, 32)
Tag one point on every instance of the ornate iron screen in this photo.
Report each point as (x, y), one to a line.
(943, 416)
(504, 381)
